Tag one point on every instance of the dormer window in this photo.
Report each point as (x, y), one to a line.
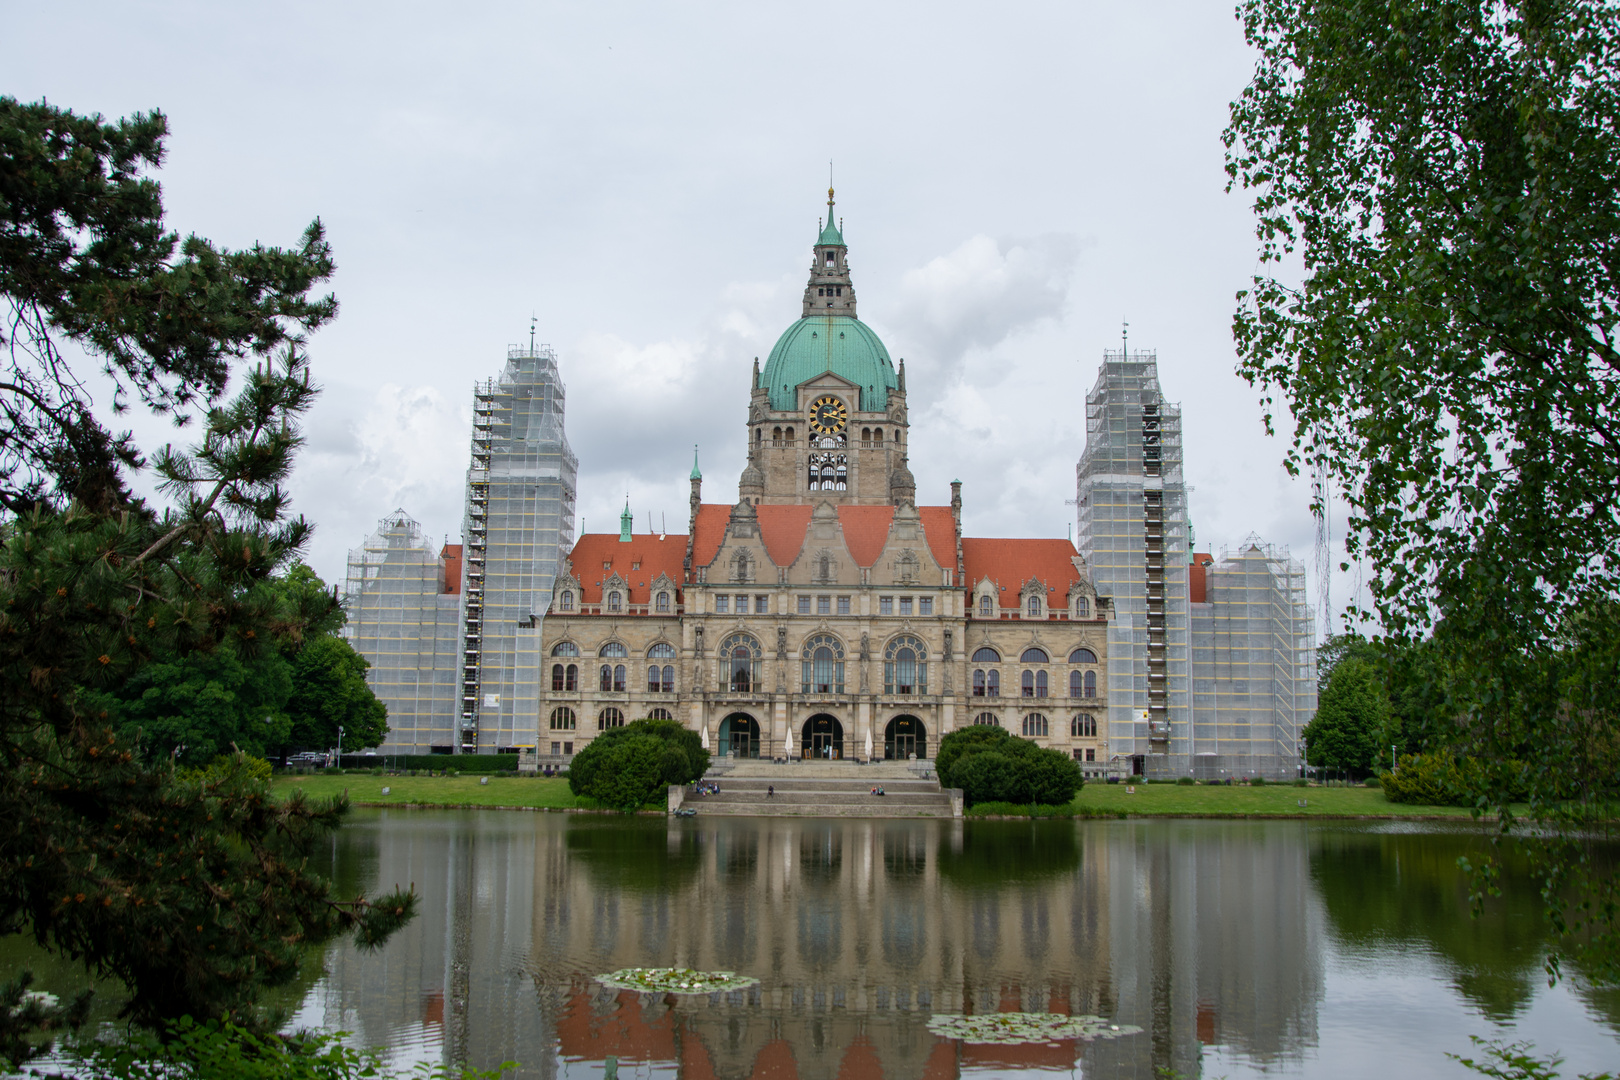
(566, 602)
(614, 601)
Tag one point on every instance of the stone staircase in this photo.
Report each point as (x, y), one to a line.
(821, 789)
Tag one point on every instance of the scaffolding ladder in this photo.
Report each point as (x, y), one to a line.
(477, 543)
(1153, 554)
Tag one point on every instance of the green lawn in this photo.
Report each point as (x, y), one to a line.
(1148, 800)
(524, 792)
(1151, 799)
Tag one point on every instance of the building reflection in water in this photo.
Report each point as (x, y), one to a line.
(1200, 933)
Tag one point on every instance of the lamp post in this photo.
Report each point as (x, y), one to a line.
(339, 761)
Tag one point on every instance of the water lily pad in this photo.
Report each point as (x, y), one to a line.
(1013, 1028)
(676, 980)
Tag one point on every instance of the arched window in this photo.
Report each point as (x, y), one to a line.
(605, 682)
(978, 682)
(619, 682)
(1034, 607)
(877, 436)
(1033, 655)
(556, 676)
(1091, 684)
(565, 648)
(985, 607)
(987, 719)
(669, 679)
(821, 665)
(615, 601)
(1028, 683)
(789, 436)
(610, 717)
(565, 602)
(1082, 608)
(1083, 726)
(660, 714)
(1040, 684)
(1076, 684)
(992, 680)
(661, 602)
(905, 667)
(565, 678)
(653, 680)
(759, 436)
(740, 660)
(661, 651)
(1082, 656)
(986, 655)
(613, 650)
(563, 719)
(1035, 726)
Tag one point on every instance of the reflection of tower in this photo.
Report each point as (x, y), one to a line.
(519, 525)
(1133, 534)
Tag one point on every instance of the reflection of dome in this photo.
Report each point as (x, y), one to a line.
(840, 344)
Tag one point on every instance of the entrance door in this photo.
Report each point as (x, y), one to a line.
(904, 737)
(823, 738)
(739, 736)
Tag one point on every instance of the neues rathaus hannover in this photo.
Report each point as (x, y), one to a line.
(826, 612)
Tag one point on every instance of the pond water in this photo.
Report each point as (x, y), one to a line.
(1239, 949)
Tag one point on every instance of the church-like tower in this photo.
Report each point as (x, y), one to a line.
(827, 417)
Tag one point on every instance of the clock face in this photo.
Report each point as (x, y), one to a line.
(828, 415)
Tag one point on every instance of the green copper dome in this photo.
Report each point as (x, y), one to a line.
(840, 344)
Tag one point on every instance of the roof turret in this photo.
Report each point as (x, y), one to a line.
(829, 336)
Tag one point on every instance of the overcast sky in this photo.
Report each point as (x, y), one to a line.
(1015, 181)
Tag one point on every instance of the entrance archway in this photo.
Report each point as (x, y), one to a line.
(903, 737)
(739, 736)
(823, 738)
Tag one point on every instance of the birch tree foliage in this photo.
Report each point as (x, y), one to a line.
(1435, 189)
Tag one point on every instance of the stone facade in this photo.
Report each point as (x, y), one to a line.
(825, 613)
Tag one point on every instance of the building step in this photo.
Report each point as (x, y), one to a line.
(781, 808)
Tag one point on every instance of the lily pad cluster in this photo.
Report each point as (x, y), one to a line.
(676, 980)
(1021, 1027)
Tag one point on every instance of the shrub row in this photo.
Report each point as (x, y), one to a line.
(1446, 779)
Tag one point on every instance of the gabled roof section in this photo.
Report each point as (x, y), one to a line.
(865, 530)
(1011, 563)
(783, 528)
(708, 531)
(940, 528)
(656, 555)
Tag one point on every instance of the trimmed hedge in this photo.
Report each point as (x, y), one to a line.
(467, 763)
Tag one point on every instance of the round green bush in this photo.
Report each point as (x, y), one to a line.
(629, 767)
(1186, 781)
(991, 765)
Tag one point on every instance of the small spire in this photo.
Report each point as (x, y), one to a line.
(626, 519)
(697, 474)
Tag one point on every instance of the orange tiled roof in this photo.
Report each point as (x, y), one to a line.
(451, 557)
(865, 530)
(783, 528)
(708, 531)
(940, 528)
(1010, 563)
(656, 556)
(1198, 577)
